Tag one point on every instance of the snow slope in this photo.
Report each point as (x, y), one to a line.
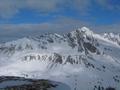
(81, 59)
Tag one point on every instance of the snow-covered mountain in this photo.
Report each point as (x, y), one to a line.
(81, 59)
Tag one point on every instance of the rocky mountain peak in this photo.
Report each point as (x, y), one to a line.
(85, 30)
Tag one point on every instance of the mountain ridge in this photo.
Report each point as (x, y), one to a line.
(78, 58)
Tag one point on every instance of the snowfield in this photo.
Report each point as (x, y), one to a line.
(81, 59)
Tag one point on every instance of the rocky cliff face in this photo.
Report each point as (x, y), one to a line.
(19, 83)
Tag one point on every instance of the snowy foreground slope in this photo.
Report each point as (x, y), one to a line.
(81, 59)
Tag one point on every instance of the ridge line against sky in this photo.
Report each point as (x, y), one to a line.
(19, 18)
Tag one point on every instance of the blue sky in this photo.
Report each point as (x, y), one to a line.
(19, 18)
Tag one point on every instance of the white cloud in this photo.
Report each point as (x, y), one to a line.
(9, 8)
